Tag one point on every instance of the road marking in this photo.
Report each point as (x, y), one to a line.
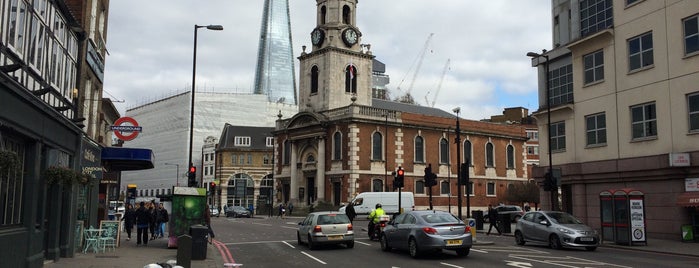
(519, 264)
(477, 250)
(287, 227)
(287, 243)
(314, 258)
(366, 244)
(450, 265)
(566, 261)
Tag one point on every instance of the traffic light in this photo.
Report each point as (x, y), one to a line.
(212, 187)
(400, 177)
(548, 182)
(192, 176)
(463, 179)
(430, 178)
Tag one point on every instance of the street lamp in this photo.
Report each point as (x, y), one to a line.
(458, 159)
(554, 203)
(178, 172)
(194, 75)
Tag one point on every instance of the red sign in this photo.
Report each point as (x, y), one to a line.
(126, 132)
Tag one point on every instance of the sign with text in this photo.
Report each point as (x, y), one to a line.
(691, 185)
(679, 160)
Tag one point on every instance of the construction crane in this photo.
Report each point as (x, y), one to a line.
(417, 63)
(439, 86)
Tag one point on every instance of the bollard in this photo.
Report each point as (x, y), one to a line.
(184, 251)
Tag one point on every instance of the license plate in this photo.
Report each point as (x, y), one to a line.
(335, 237)
(587, 239)
(456, 242)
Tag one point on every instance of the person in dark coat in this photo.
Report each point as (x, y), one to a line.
(153, 219)
(163, 218)
(349, 210)
(143, 219)
(493, 218)
(129, 220)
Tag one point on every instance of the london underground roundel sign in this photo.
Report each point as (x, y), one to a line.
(126, 132)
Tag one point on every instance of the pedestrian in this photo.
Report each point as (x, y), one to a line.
(163, 218)
(282, 210)
(153, 219)
(207, 220)
(349, 210)
(142, 223)
(493, 218)
(291, 208)
(129, 220)
(526, 207)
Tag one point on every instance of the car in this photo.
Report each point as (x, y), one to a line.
(213, 212)
(325, 227)
(515, 212)
(238, 212)
(421, 231)
(557, 229)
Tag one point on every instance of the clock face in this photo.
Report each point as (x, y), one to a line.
(317, 37)
(349, 36)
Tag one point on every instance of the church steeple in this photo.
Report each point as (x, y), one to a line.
(338, 67)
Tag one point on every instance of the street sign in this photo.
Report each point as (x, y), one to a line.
(126, 132)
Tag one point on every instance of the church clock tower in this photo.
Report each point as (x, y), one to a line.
(337, 70)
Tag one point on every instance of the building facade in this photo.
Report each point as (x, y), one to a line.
(622, 87)
(343, 141)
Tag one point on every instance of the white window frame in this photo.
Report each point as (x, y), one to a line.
(242, 141)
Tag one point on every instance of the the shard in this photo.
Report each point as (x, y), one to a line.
(275, 75)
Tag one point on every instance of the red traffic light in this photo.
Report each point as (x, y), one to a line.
(192, 169)
(401, 172)
(212, 184)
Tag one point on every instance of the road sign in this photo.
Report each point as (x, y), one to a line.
(121, 130)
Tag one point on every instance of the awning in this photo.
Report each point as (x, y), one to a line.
(120, 159)
(688, 199)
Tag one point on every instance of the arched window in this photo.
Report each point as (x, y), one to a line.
(377, 185)
(443, 151)
(351, 79)
(310, 159)
(323, 13)
(489, 155)
(419, 150)
(287, 152)
(337, 146)
(377, 146)
(444, 187)
(314, 80)
(510, 156)
(346, 14)
(467, 152)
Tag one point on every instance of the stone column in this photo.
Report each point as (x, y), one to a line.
(320, 169)
(294, 185)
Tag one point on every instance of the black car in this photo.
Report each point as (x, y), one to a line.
(238, 212)
(514, 212)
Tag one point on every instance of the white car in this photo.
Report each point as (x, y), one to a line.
(214, 212)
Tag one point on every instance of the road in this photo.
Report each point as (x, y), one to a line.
(271, 242)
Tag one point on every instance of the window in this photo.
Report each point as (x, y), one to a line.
(241, 141)
(643, 121)
(596, 129)
(377, 146)
(377, 185)
(420, 187)
(11, 185)
(314, 80)
(533, 150)
(241, 159)
(469, 191)
(269, 141)
(351, 79)
(593, 64)
(510, 157)
(249, 159)
(595, 16)
(443, 151)
(266, 160)
(533, 135)
(558, 136)
(310, 159)
(629, 2)
(467, 153)
(489, 155)
(337, 146)
(287, 152)
(490, 189)
(691, 35)
(561, 85)
(640, 51)
(693, 107)
(234, 159)
(444, 188)
(419, 150)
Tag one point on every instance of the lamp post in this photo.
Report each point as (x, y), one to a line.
(178, 172)
(554, 198)
(385, 146)
(194, 75)
(458, 159)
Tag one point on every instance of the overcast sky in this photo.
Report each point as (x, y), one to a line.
(150, 46)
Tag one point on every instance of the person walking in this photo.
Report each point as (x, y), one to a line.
(153, 219)
(143, 218)
(129, 220)
(163, 218)
(291, 208)
(349, 210)
(493, 218)
(282, 210)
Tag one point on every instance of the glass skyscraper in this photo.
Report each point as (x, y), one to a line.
(275, 63)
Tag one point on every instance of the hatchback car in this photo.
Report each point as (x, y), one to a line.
(427, 230)
(558, 229)
(514, 212)
(326, 227)
(237, 212)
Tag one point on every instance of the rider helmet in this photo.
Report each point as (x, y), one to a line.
(378, 205)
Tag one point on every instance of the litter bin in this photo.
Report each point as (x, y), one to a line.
(478, 215)
(505, 224)
(199, 234)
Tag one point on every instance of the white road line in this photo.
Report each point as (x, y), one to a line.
(314, 258)
(480, 251)
(366, 244)
(253, 242)
(287, 227)
(287, 243)
(265, 224)
(450, 265)
(564, 261)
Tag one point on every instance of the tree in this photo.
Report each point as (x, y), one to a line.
(520, 193)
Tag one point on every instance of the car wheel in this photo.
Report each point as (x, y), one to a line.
(350, 244)
(590, 248)
(384, 243)
(298, 239)
(519, 238)
(311, 245)
(412, 247)
(554, 242)
(463, 252)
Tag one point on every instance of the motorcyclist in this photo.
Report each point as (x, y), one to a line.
(374, 218)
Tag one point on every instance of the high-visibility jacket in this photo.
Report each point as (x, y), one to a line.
(375, 214)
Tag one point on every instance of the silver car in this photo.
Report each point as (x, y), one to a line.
(327, 227)
(427, 230)
(558, 229)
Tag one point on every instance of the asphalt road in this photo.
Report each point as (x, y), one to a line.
(263, 242)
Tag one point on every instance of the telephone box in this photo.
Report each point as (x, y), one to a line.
(188, 208)
(623, 216)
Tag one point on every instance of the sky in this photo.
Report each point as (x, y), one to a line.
(150, 48)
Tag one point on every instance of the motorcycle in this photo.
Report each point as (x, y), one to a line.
(378, 228)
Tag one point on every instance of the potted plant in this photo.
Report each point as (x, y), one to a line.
(60, 175)
(9, 160)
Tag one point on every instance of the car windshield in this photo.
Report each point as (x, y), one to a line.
(333, 219)
(563, 218)
(438, 218)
